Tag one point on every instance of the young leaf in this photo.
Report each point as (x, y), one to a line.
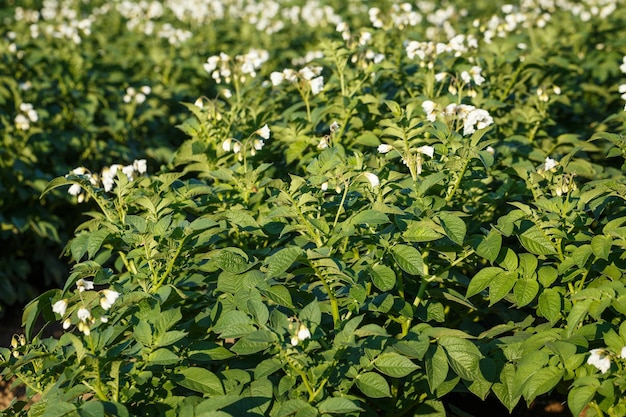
(535, 241)
(579, 397)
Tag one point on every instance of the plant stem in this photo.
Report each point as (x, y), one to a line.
(458, 180)
(343, 200)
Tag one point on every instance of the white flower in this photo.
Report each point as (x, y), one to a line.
(258, 144)
(277, 78)
(84, 285)
(317, 84)
(334, 127)
(600, 359)
(129, 170)
(66, 324)
(622, 354)
(426, 150)
(21, 122)
(74, 189)
(140, 165)
(384, 148)
(476, 119)
(440, 76)
(236, 147)
(109, 298)
(475, 73)
(623, 66)
(226, 145)
(372, 178)
(323, 143)
(59, 307)
(294, 340)
(549, 164)
(430, 107)
(264, 132)
(324, 186)
(83, 314)
(303, 332)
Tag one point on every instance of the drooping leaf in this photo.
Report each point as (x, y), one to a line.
(408, 259)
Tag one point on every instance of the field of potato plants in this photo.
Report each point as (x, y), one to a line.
(313, 207)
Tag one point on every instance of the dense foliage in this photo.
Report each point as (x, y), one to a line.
(366, 208)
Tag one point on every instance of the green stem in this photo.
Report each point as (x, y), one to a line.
(307, 224)
(155, 277)
(334, 305)
(458, 180)
(170, 266)
(343, 200)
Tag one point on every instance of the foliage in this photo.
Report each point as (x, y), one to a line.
(359, 234)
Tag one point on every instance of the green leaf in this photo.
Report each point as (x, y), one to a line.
(505, 389)
(501, 285)
(408, 259)
(541, 382)
(369, 217)
(535, 241)
(489, 247)
(394, 365)
(601, 246)
(79, 246)
(168, 338)
(230, 261)
(296, 407)
(338, 405)
(311, 314)
(463, 357)
(547, 275)
(164, 357)
(280, 261)
(383, 277)
(482, 280)
(525, 291)
(436, 367)
(94, 243)
(200, 380)
(278, 294)
(233, 323)
(143, 333)
(454, 227)
(581, 254)
(579, 397)
(373, 385)
(91, 409)
(550, 305)
(577, 314)
(423, 231)
(34, 309)
(59, 409)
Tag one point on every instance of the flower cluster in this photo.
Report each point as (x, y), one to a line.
(413, 159)
(26, 116)
(223, 68)
(238, 147)
(472, 118)
(427, 51)
(468, 78)
(601, 358)
(309, 75)
(107, 176)
(84, 306)
(132, 95)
